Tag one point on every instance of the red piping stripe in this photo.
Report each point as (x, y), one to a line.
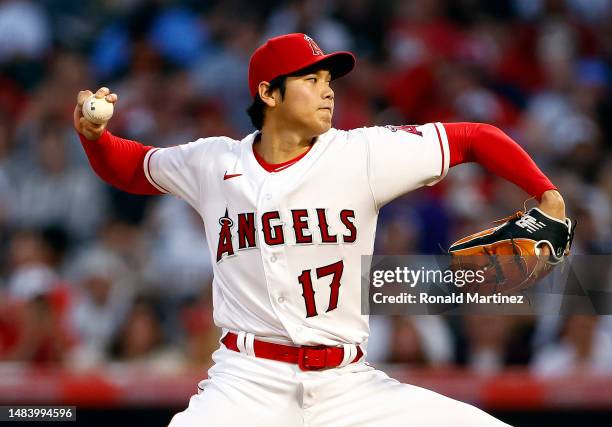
(441, 148)
(149, 171)
(276, 167)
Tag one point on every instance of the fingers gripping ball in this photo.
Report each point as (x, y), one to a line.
(97, 110)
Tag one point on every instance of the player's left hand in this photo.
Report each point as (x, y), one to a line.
(522, 250)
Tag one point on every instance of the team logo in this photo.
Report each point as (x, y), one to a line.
(316, 50)
(529, 223)
(225, 237)
(302, 226)
(227, 176)
(406, 128)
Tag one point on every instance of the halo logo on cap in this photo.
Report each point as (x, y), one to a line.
(289, 53)
(316, 50)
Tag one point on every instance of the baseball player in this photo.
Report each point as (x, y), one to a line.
(288, 212)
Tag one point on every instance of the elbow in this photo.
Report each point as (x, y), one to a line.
(112, 179)
(485, 130)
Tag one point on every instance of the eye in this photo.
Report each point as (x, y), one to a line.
(314, 79)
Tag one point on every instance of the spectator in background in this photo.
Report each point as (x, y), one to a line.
(492, 342)
(24, 30)
(220, 74)
(421, 341)
(124, 240)
(179, 267)
(584, 345)
(309, 17)
(36, 301)
(140, 342)
(101, 300)
(25, 39)
(7, 193)
(201, 335)
(56, 193)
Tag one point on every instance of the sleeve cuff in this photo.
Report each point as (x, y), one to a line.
(443, 142)
(147, 170)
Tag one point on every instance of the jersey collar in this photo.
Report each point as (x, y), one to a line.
(277, 167)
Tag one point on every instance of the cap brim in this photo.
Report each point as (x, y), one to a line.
(338, 63)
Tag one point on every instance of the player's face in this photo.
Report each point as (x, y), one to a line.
(308, 103)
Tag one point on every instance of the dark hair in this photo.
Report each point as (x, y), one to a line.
(257, 109)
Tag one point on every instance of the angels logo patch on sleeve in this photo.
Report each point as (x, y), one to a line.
(406, 128)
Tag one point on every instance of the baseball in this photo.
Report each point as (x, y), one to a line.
(97, 110)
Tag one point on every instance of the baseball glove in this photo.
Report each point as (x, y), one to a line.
(509, 255)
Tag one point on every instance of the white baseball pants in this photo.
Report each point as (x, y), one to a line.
(247, 391)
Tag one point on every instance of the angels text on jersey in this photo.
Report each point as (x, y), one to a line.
(307, 226)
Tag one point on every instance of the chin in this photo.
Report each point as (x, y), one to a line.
(323, 127)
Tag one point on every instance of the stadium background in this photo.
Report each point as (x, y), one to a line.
(105, 297)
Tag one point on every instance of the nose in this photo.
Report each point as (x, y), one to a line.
(328, 93)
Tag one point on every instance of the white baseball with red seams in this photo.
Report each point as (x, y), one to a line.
(97, 110)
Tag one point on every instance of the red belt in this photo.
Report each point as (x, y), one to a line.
(308, 358)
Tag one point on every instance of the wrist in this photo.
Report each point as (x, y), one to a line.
(552, 203)
(91, 136)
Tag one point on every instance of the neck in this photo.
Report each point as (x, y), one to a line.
(280, 145)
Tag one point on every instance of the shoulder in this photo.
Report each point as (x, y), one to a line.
(354, 137)
(226, 145)
(363, 133)
(339, 136)
(209, 146)
(351, 138)
(214, 143)
(416, 132)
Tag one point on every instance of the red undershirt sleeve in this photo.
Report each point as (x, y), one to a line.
(119, 162)
(498, 153)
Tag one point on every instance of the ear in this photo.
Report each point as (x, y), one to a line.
(270, 98)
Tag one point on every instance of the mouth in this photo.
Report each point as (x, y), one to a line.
(326, 108)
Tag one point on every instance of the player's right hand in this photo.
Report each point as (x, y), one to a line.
(83, 126)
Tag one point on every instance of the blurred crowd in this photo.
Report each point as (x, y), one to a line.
(90, 275)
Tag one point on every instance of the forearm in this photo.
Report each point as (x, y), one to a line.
(119, 162)
(498, 153)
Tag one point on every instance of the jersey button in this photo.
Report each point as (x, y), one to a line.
(268, 196)
(281, 299)
(273, 258)
(298, 329)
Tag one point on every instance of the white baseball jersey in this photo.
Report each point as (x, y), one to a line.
(286, 246)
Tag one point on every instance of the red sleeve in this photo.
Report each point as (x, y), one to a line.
(119, 162)
(498, 153)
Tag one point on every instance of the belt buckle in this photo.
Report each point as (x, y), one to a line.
(312, 358)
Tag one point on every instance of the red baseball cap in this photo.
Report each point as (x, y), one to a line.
(289, 53)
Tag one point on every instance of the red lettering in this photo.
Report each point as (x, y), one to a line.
(345, 216)
(324, 227)
(308, 293)
(299, 224)
(336, 270)
(246, 230)
(276, 238)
